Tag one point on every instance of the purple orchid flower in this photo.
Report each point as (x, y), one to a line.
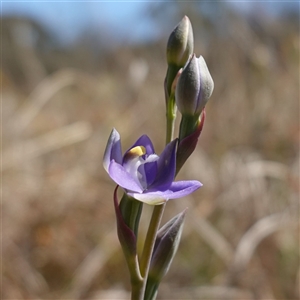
(143, 174)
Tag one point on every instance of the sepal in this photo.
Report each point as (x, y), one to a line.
(188, 141)
(131, 210)
(128, 241)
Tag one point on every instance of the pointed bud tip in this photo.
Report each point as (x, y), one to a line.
(181, 43)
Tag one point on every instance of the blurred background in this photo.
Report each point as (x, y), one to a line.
(72, 71)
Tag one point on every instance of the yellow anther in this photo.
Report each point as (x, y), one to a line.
(137, 151)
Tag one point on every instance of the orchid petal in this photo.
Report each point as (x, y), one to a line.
(149, 169)
(155, 198)
(144, 141)
(178, 189)
(113, 150)
(166, 167)
(144, 175)
(124, 179)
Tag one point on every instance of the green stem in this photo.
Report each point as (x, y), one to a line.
(170, 117)
(157, 214)
(158, 210)
(170, 76)
(150, 239)
(137, 290)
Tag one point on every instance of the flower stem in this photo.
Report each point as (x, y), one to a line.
(150, 239)
(158, 210)
(137, 290)
(170, 116)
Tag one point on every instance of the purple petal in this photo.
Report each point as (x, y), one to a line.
(150, 172)
(166, 167)
(144, 141)
(180, 189)
(113, 150)
(149, 169)
(177, 190)
(124, 179)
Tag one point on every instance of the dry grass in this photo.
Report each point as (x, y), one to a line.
(241, 236)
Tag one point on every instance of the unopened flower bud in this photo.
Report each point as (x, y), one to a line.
(194, 87)
(181, 43)
(166, 245)
(179, 48)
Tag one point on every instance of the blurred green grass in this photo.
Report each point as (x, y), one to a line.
(241, 237)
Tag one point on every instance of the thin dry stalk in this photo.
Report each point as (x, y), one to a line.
(45, 91)
(91, 266)
(251, 239)
(24, 273)
(53, 140)
(213, 238)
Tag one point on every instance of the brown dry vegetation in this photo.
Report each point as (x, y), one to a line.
(241, 235)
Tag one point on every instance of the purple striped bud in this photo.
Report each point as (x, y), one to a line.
(194, 87)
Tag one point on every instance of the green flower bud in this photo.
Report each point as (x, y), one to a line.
(179, 48)
(194, 87)
(181, 43)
